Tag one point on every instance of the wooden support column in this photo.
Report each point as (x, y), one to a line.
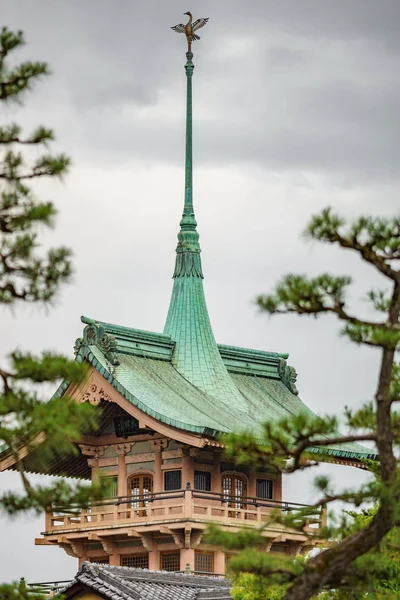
(158, 447)
(82, 558)
(216, 477)
(122, 450)
(157, 482)
(187, 467)
(114, 560)
(219, 562)
(153, 560)
(94, 465)
(94, 453)
(252, 486)
(277, 488)
(187, 558)
(122, 476)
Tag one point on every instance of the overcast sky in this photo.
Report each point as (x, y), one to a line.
(296, 107)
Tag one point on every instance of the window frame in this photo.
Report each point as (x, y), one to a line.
(139, 555)
(202, 472)
(264, 479)
(140, 500)
(168, 471)
(203, 553)
(165, 553)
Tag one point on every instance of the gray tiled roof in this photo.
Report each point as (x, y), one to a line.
(126, 583)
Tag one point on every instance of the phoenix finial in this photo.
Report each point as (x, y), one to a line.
(190, 28)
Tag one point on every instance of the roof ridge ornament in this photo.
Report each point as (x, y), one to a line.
(95, 335)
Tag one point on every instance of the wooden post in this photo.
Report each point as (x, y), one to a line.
(252, 486)
(48, 522)
(216, 478)
(187, 558)
(114, 560)
(158, 483)
(277, 488)
(122, 476)
(219, 562)
(187, 467)
(188, 501)
(94, 464)
(153, 560)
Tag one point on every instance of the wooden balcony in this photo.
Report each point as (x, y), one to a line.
(171, 507)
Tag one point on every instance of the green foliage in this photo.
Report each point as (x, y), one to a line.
(24, 275)
(250, 587)
(377, 571)
(364, 556)
(18, 591)
(28, 423)
(297, 293)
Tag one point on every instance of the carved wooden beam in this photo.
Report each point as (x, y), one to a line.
(196, 539)
(178, 537)
(108, 547)
(159, 445)
(93, 451)
(70, 547)
(188, 531)
(122, 449)
(94, 393)
(184, 451)
(145, 538)
(147, 541)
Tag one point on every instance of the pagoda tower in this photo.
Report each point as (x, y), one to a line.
(165, 398)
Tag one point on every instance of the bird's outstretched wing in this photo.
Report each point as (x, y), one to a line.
(199, 23)
(179, 28)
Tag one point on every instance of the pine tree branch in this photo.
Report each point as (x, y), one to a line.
(18, 140)
(36, 172)
(331, 565)
(380, 236)
(307, 442)
(368, 255)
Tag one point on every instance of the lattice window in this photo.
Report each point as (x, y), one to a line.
(139, 561)
(234, 488)
(172, 480)
(202, 481)
(204, 561)
(99, 561)
(140, 487)
(264, 489)
(170, 561)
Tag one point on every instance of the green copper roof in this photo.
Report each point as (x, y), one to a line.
(196, 355)
(139, 364)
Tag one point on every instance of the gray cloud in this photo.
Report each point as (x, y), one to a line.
(295, 108)
(291, 86)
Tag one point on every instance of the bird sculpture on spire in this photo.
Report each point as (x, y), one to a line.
(190, 28)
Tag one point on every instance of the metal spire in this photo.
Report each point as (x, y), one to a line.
(188, 249)
(196, 355)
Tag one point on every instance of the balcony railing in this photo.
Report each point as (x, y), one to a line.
(176, 505)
